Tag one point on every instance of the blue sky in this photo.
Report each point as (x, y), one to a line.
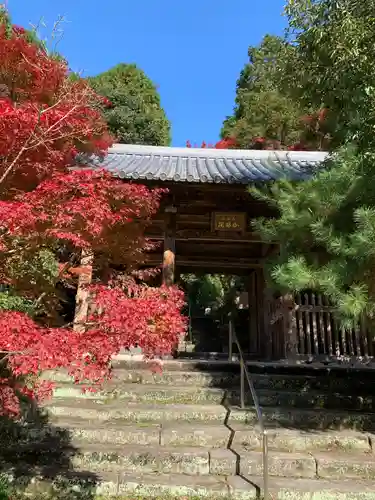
(192, 50)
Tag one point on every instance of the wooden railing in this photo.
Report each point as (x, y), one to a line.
(319, 334)
(305, 326)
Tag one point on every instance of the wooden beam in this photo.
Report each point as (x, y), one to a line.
(184, 217)
(224, 264)
(213, 265)
(201, 271)
(198, 235)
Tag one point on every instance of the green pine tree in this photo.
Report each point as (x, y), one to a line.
(326, 225)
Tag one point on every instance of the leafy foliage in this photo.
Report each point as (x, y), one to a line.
(5, 489)
(261, 109)
(50, 213)
(135, 115)
(213, 291)
(11, 302)
(331, 65)
(207, 291)
(228, 143)
(267, 115)
(326, 226)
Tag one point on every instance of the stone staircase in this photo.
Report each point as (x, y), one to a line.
(182, 432)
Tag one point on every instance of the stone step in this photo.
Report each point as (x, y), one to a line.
(317, 419)
(144, 459)
(222, 462)
(214, 487)
(145, 394)
(163, 460)
(199, 434)
(343, 371)
(334, 466)
(209, 395)
(222, 379)
(128, 412)
(142, 434)
(331, 465)
(81, 431)
(312, 441)
(308, 419)
(166, 378)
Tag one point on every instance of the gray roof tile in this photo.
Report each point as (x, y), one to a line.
(209, 165)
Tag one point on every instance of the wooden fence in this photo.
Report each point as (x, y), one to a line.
(307, 328)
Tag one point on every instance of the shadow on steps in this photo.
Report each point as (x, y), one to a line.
(36, 458)
(296, 397)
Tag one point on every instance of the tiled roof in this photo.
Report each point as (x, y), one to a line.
(209, 165)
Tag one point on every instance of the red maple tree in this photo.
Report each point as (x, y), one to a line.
(50, 214)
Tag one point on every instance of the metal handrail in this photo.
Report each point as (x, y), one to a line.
(245, 373)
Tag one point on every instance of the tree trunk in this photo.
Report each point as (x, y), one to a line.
(82, 296)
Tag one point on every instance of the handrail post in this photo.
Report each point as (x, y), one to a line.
(230, 348)
(242, 382)
(265, 464)
(245, 373)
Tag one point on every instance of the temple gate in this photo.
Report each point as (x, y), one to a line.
(205, 223)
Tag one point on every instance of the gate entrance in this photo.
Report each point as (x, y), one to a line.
(204, 228)
(210, 299)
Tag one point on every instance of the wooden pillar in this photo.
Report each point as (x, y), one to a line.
(169, 254)
(290, 327)
(260, 303)
(253, 313)
(169, 262)
(264, 324)
(82, 296)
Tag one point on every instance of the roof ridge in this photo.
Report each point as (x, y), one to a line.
(201, 165)
(254, 154)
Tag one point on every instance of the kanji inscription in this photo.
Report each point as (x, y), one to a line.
(229, 221)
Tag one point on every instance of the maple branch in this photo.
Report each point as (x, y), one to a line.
(8, 354)
(29, 62)
(39, 299)
(18, 156)
(26, 146)
(68, 113)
